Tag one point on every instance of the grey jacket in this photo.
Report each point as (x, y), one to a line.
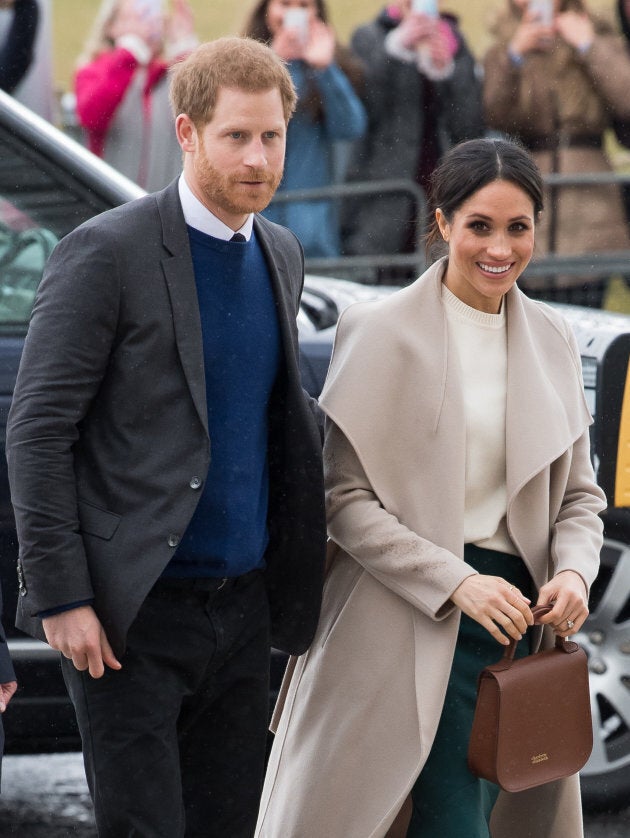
(107, 438)
(396, 100)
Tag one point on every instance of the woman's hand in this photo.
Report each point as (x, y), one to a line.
(531, 36)
(416, 29)
(566, 592)
(496, 605)
(319, 51)
(576, 28)
(129, 21)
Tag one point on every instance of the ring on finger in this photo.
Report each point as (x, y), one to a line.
(570, 623)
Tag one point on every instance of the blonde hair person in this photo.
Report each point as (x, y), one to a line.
(558, 85)
(122, 88)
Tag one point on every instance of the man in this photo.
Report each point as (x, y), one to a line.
(165, 465)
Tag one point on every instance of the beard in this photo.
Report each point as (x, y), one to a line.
(230, 192)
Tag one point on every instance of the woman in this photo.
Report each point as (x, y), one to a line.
(122, 87)
(558, 88)
(328, 112)
(453, 502)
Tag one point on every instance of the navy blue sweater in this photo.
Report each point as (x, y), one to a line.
(227, 535)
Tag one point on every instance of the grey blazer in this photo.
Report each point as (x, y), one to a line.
(107, 438)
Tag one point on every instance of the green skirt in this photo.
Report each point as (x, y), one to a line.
(449, 801)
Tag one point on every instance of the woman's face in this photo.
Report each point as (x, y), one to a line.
(491, 240)
(274, 15)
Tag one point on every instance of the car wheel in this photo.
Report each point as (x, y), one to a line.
(605, 636)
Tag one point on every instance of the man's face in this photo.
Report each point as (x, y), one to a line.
(233, 164)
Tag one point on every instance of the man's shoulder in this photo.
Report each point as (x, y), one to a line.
(124, 218)
(276, 235)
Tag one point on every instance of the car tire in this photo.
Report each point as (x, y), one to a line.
(605, 636)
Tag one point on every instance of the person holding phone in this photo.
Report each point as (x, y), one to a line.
(557, 78)
(122, 91)
(329, 114)
(422, 95)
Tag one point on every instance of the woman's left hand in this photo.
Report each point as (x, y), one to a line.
(576, 28)
(319, 51)
(567, 594)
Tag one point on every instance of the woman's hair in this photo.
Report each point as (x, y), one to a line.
(470, 166)
(256, 27)
(234, 62)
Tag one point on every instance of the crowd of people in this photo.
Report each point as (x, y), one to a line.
(182, 504)
(386, 107)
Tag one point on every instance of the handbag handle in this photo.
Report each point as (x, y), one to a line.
(561, 643)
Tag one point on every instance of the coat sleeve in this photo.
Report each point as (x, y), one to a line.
(608, 65)
(16, 53)
(100, 87)
(66, 354)
(344, 114)
(501, 92)
(411, 566)
(576, 538)
(460, 98)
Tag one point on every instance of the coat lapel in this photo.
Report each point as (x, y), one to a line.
(180, 280)
(538, 427)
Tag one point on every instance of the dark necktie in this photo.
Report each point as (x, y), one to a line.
(238, 237)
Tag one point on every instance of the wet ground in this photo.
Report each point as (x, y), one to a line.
(46, 796)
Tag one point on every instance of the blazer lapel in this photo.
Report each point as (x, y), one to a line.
(282, 287)
(180, 280)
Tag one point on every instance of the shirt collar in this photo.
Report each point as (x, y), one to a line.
(200, 217)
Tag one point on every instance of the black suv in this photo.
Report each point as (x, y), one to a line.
(49, 185)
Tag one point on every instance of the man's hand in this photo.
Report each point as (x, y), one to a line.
(79, 636)
(6, 693)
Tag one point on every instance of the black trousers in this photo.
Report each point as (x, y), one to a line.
(174, 742)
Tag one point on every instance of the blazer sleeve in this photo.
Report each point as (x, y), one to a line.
(66, 354)
(411, 566)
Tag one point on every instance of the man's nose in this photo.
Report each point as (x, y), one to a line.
(255, 155)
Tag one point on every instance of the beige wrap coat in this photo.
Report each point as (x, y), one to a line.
(364, 702)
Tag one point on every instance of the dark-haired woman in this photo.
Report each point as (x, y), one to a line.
(329, 111)
(454, 502)
(557, 87)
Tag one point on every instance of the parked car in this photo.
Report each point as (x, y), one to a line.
(48, 185)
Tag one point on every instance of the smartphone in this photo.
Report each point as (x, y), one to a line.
(425, 7)
(297, 19)
(543, 9)
(150, 8)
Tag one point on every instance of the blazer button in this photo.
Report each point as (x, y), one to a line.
(195, 483)
(173, 540)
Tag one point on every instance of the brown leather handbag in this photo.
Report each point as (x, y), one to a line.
(532, 720)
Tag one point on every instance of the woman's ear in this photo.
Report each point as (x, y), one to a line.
(443, 225)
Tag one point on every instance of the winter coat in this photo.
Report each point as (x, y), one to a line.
(559, 103)
(310, 152)
(397, 98)
(124, 108)
(364, 702)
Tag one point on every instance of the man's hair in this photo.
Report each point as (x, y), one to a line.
(237, 63)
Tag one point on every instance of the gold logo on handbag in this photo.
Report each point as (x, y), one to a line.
(539, 705)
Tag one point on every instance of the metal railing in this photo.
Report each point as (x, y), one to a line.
(365, 268)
